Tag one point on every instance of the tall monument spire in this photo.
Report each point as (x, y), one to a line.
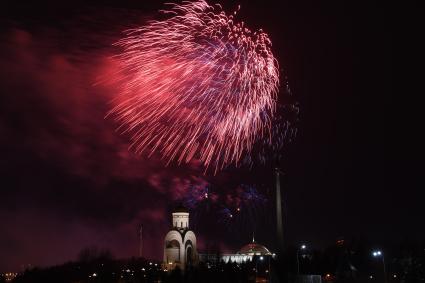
(279, 220)
(141, 241)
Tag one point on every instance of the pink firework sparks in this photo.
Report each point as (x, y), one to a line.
(196, 85)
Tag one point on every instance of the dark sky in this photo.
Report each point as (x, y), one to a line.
(69, 182)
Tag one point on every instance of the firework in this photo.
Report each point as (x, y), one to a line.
(200, 201)
(238, 208)
(195, 195)
(283, 131)
(196, 85)
(242, 208)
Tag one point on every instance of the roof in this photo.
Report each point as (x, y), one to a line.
(181, 208)
(254, 249)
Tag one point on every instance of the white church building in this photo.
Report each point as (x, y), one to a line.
(180, 243)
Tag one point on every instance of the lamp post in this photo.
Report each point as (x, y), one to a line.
(303, 247)
(380, 254)
(268, 270)
(261, 258)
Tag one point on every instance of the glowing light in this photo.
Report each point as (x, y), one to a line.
(196, 85)
(376, 253)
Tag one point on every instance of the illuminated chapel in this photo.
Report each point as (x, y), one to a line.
(180, 242)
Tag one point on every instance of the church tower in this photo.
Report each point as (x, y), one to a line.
(180, 243)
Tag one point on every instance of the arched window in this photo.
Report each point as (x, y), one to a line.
(189, 256)
(172, 244)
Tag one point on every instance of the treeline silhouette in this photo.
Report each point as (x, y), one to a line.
(344, 262)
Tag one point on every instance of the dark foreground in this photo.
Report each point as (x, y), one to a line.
(343, 263)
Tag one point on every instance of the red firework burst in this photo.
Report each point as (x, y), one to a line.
(196, 85)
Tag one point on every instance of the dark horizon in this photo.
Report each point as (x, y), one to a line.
(70, 182)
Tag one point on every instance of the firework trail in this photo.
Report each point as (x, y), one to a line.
(283, 131)
(196, 85)
(239, 208)
(195, 195)
(242, 208)
(199, 200)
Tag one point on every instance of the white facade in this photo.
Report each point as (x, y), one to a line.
(246, 253)
(180, 243)
(237, 258)
(181, 220)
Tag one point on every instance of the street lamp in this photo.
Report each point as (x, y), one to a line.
(261, 258)
(269, 268)
(303, 247)
(380, 254)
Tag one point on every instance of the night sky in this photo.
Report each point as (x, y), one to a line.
(69, 182)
